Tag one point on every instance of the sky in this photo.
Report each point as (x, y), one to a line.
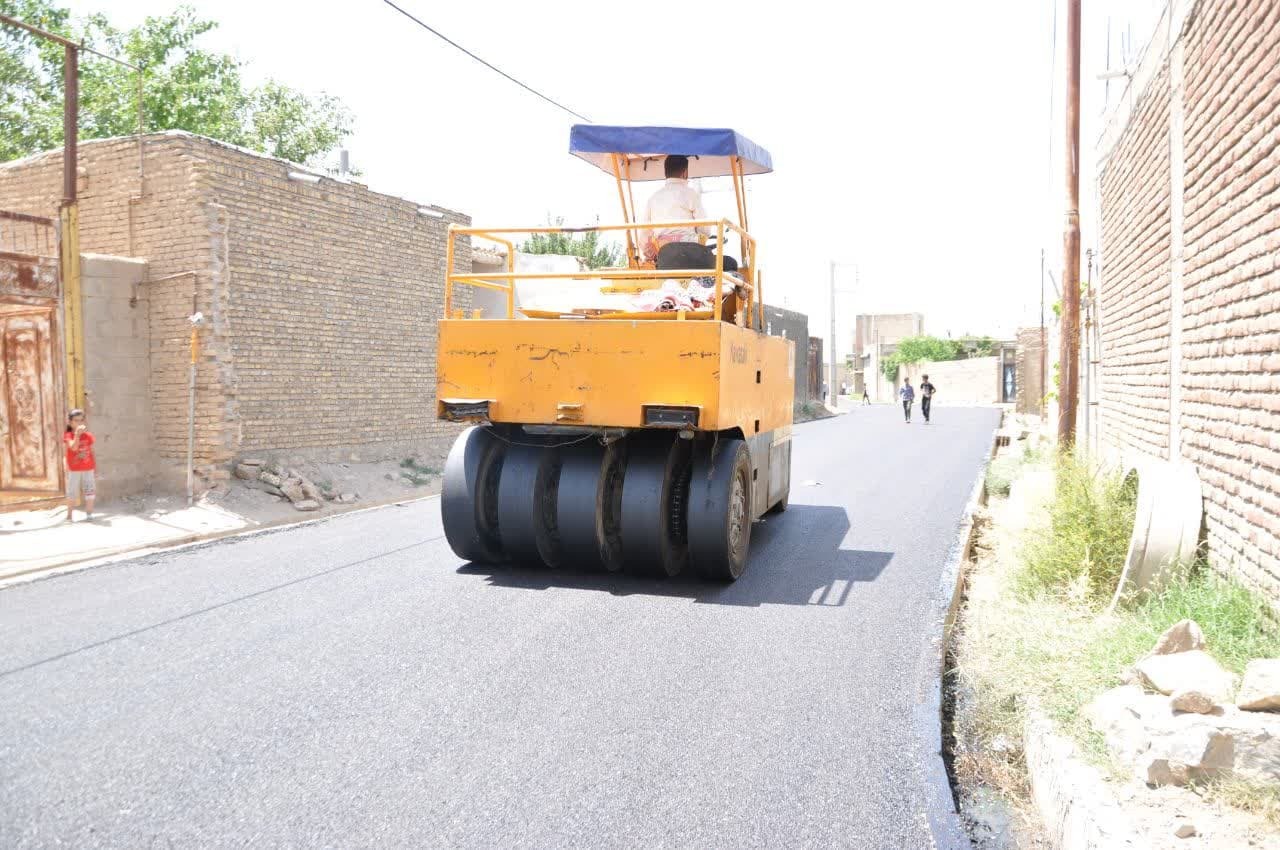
(917, 144)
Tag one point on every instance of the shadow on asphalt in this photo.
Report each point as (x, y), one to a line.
(796, 559)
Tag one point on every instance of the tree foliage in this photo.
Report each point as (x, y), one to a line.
(185, 88)
(594, 253)
(916, 349)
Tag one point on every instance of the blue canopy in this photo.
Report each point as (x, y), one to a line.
(641, 150)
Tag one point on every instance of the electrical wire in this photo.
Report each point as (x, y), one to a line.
(488, 65)
(511, 442)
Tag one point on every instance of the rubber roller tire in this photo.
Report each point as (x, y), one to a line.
(589, 505)
(526, 505)
(468, 496)
(654, 490)
(720, 510)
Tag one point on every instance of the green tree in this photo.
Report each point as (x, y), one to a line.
(185, 88)
(914, 349)
(595, 254)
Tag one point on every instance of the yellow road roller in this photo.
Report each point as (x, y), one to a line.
(635, 418)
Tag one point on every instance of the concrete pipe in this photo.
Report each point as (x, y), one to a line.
(1166, 526)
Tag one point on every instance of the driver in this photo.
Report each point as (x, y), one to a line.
(679, 247)
(675, 201)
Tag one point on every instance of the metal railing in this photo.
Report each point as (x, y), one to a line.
(30, 235)
(745, 281)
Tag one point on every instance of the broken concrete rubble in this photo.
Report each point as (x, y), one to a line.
(1260, 690)
(1164, 747)
(292, 489)
(1190, 671)
(1195, 702)
(1182, 636)
(312, 492)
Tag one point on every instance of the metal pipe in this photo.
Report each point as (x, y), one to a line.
(70, 122)
(605, 228)
(719, 267)
(1069, 356)
(511, 285)
(1086, 387)
(191, 406)
(633, 253)
(14, 22)
(603, 274)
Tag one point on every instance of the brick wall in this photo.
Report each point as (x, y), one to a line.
(1031, 371)
(334, 296)
(320, 299)
(1190, 365)
(159, 213)
(1134, 377)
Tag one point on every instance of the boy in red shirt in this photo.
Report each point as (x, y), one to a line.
(80, 463)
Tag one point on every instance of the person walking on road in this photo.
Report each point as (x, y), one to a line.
(908, 395)
(866, 399)
(926, 397)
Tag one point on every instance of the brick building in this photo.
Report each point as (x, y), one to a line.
(1189, 299)
(320, 297)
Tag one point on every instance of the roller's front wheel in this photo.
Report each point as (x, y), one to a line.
(526, 505)
(720, 510)
(469, 496)
(654, 493)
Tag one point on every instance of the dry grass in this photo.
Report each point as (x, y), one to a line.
(1253, 797)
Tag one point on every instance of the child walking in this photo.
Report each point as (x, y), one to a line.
(908, 395)
(80, 463)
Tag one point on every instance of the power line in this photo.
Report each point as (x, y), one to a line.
(488, 65)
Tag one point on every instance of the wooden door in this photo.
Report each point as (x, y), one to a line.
(30, 456)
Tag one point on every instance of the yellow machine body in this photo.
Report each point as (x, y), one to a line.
(608, 373)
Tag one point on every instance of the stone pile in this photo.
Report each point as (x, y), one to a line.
(288, 483)
(1176, 721)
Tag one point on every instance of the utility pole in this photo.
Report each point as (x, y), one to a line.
(1069, 356)
(69, 210)
(832, 354)
(834, 384)
(1044, 346)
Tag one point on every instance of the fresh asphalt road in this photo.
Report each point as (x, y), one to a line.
(351, 683)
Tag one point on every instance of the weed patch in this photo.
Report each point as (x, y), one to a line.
(1080, 549)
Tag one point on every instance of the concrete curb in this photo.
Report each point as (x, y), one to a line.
(189, 541)
(1077, 810)
(941, 811)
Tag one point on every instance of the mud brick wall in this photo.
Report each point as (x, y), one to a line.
(320, 298)
(159, 212)
(1215, 103)
(334, 300)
